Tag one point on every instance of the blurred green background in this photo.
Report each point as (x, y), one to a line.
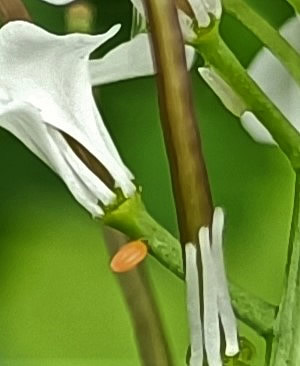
(59, 302)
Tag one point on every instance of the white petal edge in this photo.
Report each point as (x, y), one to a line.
(224, 304)
(58, 94)
(200, 12)
(58, 2)
(213, 7)
(193, 305)
(138, 4)
(224, 92)
(211, 326)
(186, 26)
(277, 83)
(129, 60)
(89, 179)
(24, 121)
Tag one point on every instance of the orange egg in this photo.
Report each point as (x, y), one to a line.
(128, 256)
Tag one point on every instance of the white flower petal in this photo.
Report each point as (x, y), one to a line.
(193, 305)
(225, 309)
(138, 4)
(213, 7)
(61, 91)
(58, 2)
(228, 97)
(277, 83)
(89, 179)
(256, 129)
(200, 12)
(186, 25)
(131, 59)
(211, 319)
(24, 121)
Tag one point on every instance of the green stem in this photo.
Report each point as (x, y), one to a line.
(223, 61)
(295, 4)
(132, 219)
(269, 36)
(253, 311)
(285, 348)
(138, 294)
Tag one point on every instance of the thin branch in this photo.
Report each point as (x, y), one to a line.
(137, 291)
(285, 347)
(217, 55)
(295, 4)
(269, 36)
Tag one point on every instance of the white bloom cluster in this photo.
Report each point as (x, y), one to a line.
(216, 299)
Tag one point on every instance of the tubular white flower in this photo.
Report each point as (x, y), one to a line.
(212, 339)
(45, 89)
(277, 83)
(225, 309)
(232, 101)
(216, 298)
(193, 305)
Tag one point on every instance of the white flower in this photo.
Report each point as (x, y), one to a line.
(202, 10)
(216, 299)
(128, 60)
(272, 78)
(45, 89)
(277, 83)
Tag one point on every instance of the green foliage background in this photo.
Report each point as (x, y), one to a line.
(59, 302)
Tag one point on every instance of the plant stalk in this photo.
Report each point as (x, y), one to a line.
(13, 10)
(188, 171)
(223, 61)
(269, 36)
(285, 347)
(138, 293)
(295, 4)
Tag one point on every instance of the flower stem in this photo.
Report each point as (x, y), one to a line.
(132, 219)
(285, 347)
(269, 36)
(218, 55)
(188, 171)
(137, 291)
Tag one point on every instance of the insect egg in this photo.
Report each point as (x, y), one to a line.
(128, 256)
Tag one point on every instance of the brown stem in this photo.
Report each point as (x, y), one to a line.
(13, 10)
(188, 170)
(137, 291)
(90, 161)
